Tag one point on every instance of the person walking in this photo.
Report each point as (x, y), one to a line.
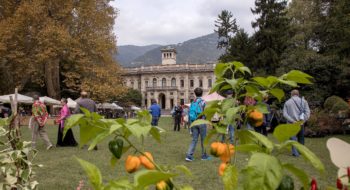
(40, 116)
(68, 139)
(296, 109)
(177, 117)
(196, 108)
(85, 102)
(155, 111)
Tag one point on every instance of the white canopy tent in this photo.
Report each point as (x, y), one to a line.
(50, 101)
(117, 107)
(20, 98)
(71, 103)
(135, 108)
(112, 106)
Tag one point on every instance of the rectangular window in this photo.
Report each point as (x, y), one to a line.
(191, 83)
(182, 101)
(182, 83)
(209, 83)
(200, 83)
(181, 94)
(146, 83)
(171, 93)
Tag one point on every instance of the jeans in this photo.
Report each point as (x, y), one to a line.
(300, 138)
(155, 120)
(196, 131)
(177, 121)
(231, 132)
(262, 129)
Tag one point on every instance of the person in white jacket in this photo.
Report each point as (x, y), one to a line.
(296, 109)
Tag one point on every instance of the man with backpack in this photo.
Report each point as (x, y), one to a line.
(177, 117)
(196, 109)
(296, 109)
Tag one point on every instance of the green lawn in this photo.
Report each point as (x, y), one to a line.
(61, 171)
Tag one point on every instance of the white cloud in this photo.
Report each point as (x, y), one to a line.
(144, 22)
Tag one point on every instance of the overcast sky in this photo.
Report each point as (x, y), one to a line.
(145, 22)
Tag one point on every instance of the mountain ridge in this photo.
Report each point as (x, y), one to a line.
(198, 50)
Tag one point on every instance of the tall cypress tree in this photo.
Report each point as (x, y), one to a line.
(271, 36)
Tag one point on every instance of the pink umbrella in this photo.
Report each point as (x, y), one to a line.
(213, 96)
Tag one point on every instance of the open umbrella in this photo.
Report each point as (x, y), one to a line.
(117, 107)
(20, 98)
(135, 108)
(71, 103)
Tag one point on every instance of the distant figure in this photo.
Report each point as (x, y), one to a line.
(230, 128)
(185, 117)
(296, 109)
(177, 117)
(86, 103)
(266, 120)
(196, 108)
(155, 111)
(40, 118)
(69, 138)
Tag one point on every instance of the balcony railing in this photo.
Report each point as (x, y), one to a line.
(161, 88)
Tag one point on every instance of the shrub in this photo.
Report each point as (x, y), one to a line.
(335, 104)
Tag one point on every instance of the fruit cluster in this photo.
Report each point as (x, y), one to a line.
(255, 118)
(224, 152)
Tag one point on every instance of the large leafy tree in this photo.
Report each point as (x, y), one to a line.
(60, 45)
(270, 39)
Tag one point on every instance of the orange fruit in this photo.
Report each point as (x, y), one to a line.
(225, 157)
(221, 149)
(162, 185)
(255, 118)
(132, 164)
(146, 162)
(222, 168)
(214, 148)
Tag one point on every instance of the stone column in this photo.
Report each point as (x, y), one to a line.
(187, 89)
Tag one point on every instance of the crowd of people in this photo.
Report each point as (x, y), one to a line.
(295, 109)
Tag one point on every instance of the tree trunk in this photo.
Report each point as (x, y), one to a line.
(52, 79)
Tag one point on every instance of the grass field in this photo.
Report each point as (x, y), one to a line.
(61, 171)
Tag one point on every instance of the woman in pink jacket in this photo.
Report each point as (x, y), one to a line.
(69, 138)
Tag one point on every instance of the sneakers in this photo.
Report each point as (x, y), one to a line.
(206, 158)
(49, 147)
(188, 159)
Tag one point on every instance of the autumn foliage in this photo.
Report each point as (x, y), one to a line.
(59, 46)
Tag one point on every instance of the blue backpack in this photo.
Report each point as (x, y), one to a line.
(195, 110)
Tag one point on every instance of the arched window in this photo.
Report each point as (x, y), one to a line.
(173, 82)
(163, 82)
(154, 82)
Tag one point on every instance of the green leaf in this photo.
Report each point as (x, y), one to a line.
(88, 131)
(155, 134)
(72, 121)
(119, 184)
(145, 178)
(92, 172)
(308, 155)
(138, 130)
(248, 148)
(300, 174)
(262, 81)
(261, 107)
(263, 172)
(284, 132)
(217, 85)
(114, 127)
(288, 82)
(259, 139)
(232, 114)
(186, 187)
(183, 169)
(252, 91)
(100, 137)
(278, 93)
(298, 76)
(220, 69)
(230, 177)
(86, 112)
(200, 122)
(232, 82)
